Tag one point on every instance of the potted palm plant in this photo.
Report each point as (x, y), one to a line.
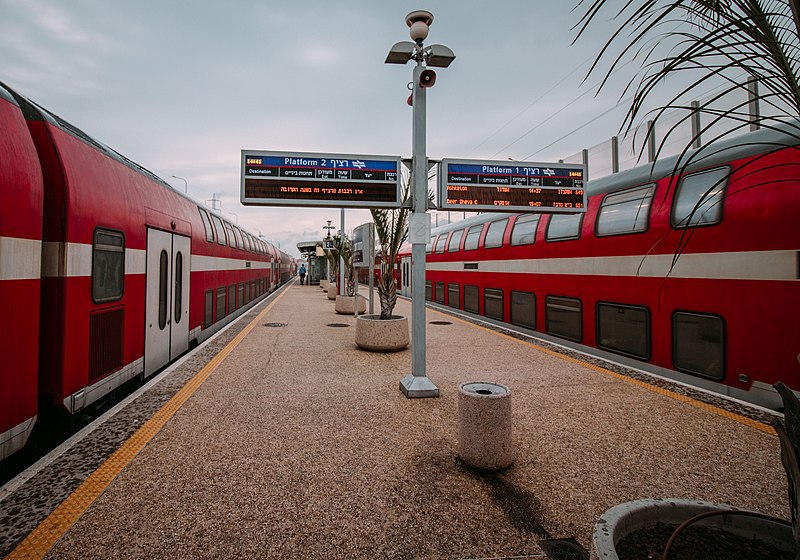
(386, 332)
(347, 301)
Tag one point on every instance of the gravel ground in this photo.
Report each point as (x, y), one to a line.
(302, 445)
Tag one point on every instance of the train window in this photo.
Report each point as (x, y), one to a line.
(206, 224)
(208, 315)
(473, 236)
(523, 309)
(178, 287)
(247, 292)
(564, 226)
(231, 298)
(455, 241)
(564, 317)
(698, 200)
(624, 329)
(471, 299)
(220, 303)
(494, 235)
(231, 237)
(238, 234)
(220, 230)
(163, 286)
(241, 294)
(698, 344)
(108, 265)
(524, 230)
(439, 294)
(493, 303)
(428, 290)
(625, 212)
(440, 243)
(453, 293)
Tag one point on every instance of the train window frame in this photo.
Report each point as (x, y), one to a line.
(493, 295)
(441, 243)
(473, 234)
(219, 226)
(698, 219)
(520, 237)
(528, 304)
(648, 343)
(231, 298)
(624, 201)
(101, 254)
(550, 302)
(237, 233)
(206, 224)
(557, 218)
(438, 292)
(680, 365)
(208, 309)
(231, 236)
(455, 236)
(220, 294)
(428, 290)
(492, 240)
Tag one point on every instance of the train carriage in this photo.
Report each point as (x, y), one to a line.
(20, 265)
(694, 276)
(132, 272)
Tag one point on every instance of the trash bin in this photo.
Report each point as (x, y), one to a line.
(484, 425)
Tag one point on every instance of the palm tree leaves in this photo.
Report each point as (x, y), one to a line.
(391, 227)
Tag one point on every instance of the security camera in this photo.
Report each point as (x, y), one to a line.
(418, 22)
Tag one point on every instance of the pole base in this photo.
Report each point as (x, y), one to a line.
(418, 387)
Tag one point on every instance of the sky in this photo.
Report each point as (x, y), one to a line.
(182, 87)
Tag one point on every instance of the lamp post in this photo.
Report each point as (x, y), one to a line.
(185, 183)
(417, 383)
(329, 227)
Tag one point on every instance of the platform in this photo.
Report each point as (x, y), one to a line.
(293, 443)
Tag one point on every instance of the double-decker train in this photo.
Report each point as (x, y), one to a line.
(693, 275)
(106, 271)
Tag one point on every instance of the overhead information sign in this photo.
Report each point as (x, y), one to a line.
(307, 179)
(504, 186)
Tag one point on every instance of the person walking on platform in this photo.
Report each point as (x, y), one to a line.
(302, 273)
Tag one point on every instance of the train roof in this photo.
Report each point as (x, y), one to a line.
(764, 140)
(6, 94)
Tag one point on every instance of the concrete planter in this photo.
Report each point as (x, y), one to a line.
(376, 335)
(346, 305)
(323, 284)
(623, 519)
(332, 291)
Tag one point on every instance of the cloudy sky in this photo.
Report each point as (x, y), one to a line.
(182, 87)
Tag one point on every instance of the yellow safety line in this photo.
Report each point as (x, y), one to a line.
(653, 388)
(51, 529)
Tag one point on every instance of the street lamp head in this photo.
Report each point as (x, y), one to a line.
(418, 22)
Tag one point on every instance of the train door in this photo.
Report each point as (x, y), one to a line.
(167, 305)
(405, 276)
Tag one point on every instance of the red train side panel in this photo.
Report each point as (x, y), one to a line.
(20, 247)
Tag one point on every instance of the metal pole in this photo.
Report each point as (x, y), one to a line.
(371, 269)
(341, 254)
(417, 383)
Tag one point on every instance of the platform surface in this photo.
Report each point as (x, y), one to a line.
(301, 445)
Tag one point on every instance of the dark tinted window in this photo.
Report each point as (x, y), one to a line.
(699, 344)
(220, 303)
(493, 303)
(178, 287)
(429, 290)
(219, 229)
(231, 298)
(523, 309)
(439, 295)
(163, 286)
(206, 224)
(563, 317)
(471, 302)
(208, 311)
(624, 329)
(440, 243)
(108, 265)
(453, 299)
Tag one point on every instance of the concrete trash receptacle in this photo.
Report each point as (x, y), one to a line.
(484, 426)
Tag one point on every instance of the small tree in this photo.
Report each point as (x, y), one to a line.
(391, 226)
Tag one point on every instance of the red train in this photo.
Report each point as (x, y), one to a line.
(106, 272)
(694, 277)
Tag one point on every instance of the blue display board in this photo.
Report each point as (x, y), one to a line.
(309, 179)
(511, 186)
